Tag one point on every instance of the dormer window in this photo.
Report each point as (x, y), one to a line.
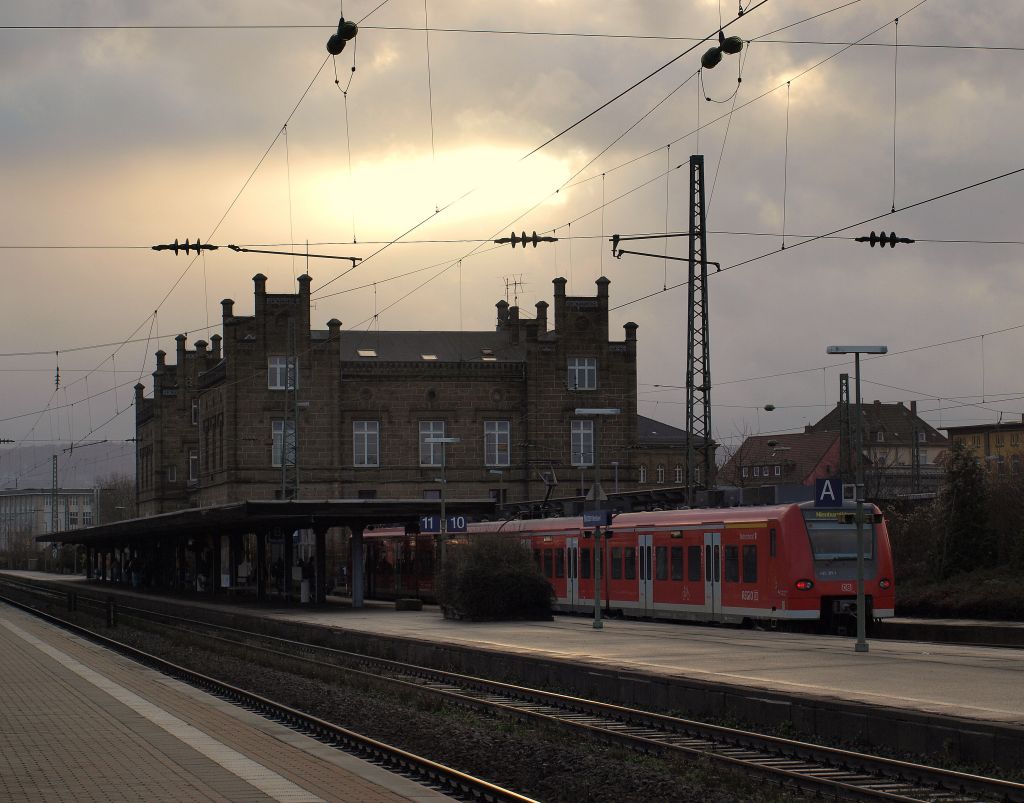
(879, 437)
(366, 352)
(429, 357)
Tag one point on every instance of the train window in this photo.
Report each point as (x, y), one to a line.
(547, 563)
(536, 559)
(630, 561)
(559, 563)
(661, 562)
(693, 559)
(677, 563)
(585, 564)
(750, 563)
(616, 563)
(716, 564)
(771, 542)
(732, 564)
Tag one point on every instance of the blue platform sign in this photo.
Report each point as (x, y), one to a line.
(432, 524)
(828, 492)
(597, 518)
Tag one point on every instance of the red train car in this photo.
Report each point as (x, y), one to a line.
(784, 563)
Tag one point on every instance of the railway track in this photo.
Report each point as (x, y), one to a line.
(824, 771)
(452, 782)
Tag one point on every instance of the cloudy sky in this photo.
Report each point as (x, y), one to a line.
(130, 123)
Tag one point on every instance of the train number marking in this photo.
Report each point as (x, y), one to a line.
(749, 596)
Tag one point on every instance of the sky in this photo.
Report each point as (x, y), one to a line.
(128, 123)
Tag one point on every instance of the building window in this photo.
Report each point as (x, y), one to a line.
(778, 471)
(660, 473)
(193, 464)
(279, 430)
(366, 443)
(764, 471)
(366, 493)
(923, 457)
(921, 437)
(582, 373)
(87, 518)
(880, 437)
(975, 440)
(757, 471)
(679, 476)
(999, 440)
(195, 412)
(743, 471)
(582, 443)
(1014, 439)
(282, 373)
(432, 494)
(496, 443)
(431, 454)
(172, 473)
(643, 474)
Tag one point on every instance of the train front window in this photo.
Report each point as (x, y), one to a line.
(835, 540)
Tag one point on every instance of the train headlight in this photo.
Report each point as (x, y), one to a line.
(804, 585)
(885, 584)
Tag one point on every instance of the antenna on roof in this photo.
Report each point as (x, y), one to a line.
(513, 284)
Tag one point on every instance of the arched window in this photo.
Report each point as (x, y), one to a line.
(643, 474)
(661, 474)
(679, 475)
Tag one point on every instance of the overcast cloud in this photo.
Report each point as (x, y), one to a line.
(131, 137)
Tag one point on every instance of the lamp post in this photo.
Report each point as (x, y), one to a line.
(856, 351)
(443, 479)
(501, 485)
(596, 493)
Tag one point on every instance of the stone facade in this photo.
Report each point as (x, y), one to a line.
(366, 406)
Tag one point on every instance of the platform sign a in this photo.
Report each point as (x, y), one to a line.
(828, 492)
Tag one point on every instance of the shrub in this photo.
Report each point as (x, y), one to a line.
(493, 577)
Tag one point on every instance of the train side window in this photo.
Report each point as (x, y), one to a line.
(547, 563)
(693, 559)
(585, 563)
(661, 562)
(750, 563)
(732, 564)
(771, 542)
(559, 563)
(537, 560)
(616, 563)
(677, 563)
(630, 561)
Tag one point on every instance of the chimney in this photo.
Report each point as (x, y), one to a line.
(913, 407)
(180, 340)
(161, 359)
(602, 307)
(201, 347)
(333, 329)
(139, 388)
(260, 283)
(631, 337)
(542, 317)
(559, 284)
(215, 347)
(502, 313)
(305, 280)
(227, 308)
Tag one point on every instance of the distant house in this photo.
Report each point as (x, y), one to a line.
(793, 459)
(901, 449)
(660, 454)
(999, 445)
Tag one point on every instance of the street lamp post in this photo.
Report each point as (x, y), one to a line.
(443, 479)
(501, 485)
(596, 493)
(856, 351)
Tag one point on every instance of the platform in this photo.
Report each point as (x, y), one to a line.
(985, 684)
(80, 723)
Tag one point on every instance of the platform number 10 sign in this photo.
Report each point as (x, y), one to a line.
(432, 524)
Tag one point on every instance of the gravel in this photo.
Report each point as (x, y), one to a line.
(534, 760)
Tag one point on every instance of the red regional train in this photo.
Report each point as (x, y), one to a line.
(780, 564)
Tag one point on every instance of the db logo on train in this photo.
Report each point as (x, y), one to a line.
(847, 587)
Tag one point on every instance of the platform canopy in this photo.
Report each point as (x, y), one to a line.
(259, 515)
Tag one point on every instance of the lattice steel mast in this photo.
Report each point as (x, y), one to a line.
(698, 353)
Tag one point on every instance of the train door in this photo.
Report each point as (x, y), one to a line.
(713, 575)
(572, 571)
(645, 600)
